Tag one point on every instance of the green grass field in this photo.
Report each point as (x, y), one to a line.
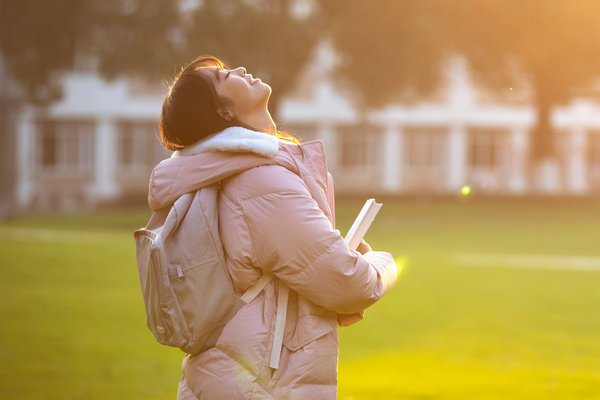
(498, 299)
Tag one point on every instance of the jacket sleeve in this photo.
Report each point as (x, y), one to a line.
(293, 238)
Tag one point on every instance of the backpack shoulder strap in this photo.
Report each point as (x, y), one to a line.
(158, 218)
(282, 301)
(253, 291)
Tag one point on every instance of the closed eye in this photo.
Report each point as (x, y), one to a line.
(227, 75)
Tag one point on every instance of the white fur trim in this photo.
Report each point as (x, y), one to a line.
(235, 139)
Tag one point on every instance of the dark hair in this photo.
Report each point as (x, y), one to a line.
(189, 112)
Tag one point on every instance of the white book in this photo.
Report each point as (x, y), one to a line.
(362, 223)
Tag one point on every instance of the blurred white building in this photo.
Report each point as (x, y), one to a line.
(462, 137)
(95, 145)
(99, 143)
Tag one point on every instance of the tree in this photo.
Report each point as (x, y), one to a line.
(555, 43)
(266, 36)
(391, 50)
(40, 39)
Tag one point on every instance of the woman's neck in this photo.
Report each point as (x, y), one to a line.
(260, 121)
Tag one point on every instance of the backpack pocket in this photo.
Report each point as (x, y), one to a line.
(160, 304)
(155, 295)
(206, 299)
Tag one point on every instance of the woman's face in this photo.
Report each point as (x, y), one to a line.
(245, 94)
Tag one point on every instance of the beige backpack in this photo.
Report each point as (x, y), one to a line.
(187, 289)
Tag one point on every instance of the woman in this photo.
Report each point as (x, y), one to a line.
(276, 216)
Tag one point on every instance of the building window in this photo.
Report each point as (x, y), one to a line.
(66, 145)
(137, 145)
(486, 147)
(594, 150)
(358, 146)
(48, 148)
(426, 147)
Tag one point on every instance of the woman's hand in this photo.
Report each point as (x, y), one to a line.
(363, 247)
(344, 319)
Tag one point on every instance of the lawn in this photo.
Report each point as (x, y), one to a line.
(498, 299)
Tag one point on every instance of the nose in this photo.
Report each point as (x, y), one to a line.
(240, 70)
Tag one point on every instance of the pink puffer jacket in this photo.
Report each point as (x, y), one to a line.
(274, 216)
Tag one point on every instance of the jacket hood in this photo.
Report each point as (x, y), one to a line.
(211, 160)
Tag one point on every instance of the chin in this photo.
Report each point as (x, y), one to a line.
(267, 90)
(267, 87)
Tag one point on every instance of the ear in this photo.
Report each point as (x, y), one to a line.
(226, 113)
